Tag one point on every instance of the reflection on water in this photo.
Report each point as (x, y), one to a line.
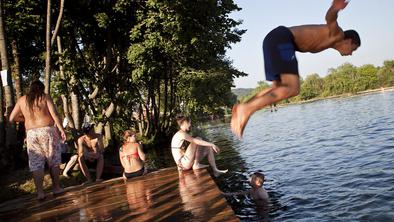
(331, 160)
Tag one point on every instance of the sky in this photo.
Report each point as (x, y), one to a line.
(372, 19)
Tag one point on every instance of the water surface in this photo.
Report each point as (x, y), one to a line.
(330, 160)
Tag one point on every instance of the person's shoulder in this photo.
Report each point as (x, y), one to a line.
(21, 99)
(81, 138)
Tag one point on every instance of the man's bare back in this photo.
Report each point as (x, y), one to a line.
(40, 117)
(314, 38)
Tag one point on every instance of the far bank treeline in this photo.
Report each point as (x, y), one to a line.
(123, 63)
(342, 80)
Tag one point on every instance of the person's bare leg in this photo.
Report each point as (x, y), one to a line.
(99, 168)
(84, 169)
(289, 86)
(38, 176)
(201, 152)
(274, 85)
(69, 165)
(55, 180)
(190, 155)
(212, 162)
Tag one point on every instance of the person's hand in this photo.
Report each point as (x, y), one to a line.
(339, 4)
(216, 149)
(63, 135)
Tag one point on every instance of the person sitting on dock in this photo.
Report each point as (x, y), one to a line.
(188, 151)
(90, 152)
(132, 156)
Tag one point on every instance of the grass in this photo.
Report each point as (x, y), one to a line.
(20, 182)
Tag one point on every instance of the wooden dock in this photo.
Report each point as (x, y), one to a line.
(164, 195)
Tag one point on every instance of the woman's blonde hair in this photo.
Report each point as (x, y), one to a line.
(127, 134)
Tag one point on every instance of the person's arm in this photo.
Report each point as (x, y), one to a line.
(121, 157)
(100, 145)
(201, 142)
(16, 114)
(80, 147)
(332, 15)
(52, 111)
(141, 152)
(243, 192)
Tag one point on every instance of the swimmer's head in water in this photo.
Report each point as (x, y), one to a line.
(257, 180)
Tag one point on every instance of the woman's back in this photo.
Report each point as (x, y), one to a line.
(130, 157)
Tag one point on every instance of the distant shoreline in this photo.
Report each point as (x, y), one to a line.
(361, 93)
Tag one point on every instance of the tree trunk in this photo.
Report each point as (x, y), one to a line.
(48, 49)
(107, 125)
(63, 78)
(16, 70)
(50, 41)
(2, 129)
(75, 103)
(10, 130)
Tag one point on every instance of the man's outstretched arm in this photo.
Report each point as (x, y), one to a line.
(332, 15)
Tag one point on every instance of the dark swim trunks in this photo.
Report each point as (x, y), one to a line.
(135, 174)
(279, 53)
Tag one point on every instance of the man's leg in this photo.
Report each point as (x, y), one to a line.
(38, 176)
(289, 86)
(189, 156)
(99, 168)
(70, 164)
(55, 171)
(212, 162)
(84, 168)
(201, 153)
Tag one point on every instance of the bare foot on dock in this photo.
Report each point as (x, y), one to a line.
(40, 196)
(99, 180)
(238, 120)
(87, 182)
(58, 191)
(199, 166)
(217, 173)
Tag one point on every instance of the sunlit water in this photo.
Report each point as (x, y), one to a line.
(331, 160)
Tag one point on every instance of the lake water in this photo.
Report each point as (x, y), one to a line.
(331, 160)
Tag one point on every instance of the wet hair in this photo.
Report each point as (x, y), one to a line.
(127, 134)
(86, 127)
(353, 35)
(182, 118)
(258, 176)
(35, 94)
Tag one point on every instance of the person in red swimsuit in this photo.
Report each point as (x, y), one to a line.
(131, 156)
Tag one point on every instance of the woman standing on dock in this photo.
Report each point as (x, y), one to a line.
(188, 151)
(132, 156)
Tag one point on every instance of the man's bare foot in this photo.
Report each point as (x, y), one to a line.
(99, 180)
(238, 120)
(217, 173)
(87, 182)
(40, 196)
(199, 166)
(58, 191)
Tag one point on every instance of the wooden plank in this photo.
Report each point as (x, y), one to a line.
(164, 195)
